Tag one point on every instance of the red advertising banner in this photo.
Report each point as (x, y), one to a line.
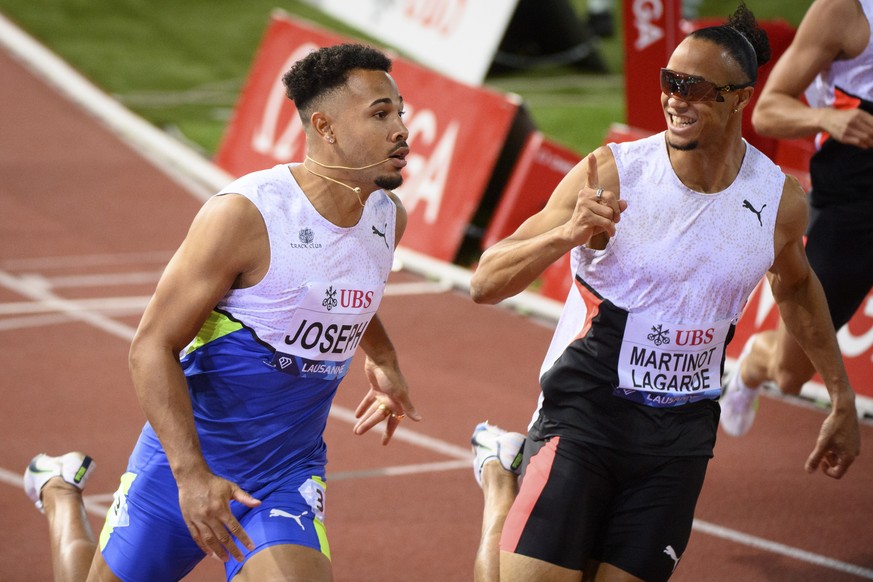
(540, 167)
(856, 338)
(652, 31)
(456, 134)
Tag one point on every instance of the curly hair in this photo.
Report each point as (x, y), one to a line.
(744, 40)
(327, 68)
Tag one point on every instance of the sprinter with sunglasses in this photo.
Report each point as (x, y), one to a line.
(694, 216)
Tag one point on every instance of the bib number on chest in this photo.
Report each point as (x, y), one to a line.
(671, 363)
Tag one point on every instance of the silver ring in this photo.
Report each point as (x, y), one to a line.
(599, 194)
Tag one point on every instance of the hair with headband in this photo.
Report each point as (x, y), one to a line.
(744, 40)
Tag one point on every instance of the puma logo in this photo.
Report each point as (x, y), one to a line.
(747, 204)
(281, 513)
(382, 234)
(672, 553)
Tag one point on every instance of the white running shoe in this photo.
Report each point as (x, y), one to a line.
(74, 468)
(491, 443)
(739, 404)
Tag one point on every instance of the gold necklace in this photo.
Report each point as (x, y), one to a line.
(354, 189)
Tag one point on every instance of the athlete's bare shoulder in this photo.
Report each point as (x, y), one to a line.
(793, 215)
(401, 217)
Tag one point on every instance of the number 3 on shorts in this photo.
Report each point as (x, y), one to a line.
(312, 492)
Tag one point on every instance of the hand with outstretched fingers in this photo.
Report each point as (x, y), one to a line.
(387, 399)
(205, 504)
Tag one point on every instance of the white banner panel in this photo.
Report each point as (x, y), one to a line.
(458, 38)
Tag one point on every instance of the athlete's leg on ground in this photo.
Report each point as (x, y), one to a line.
(74, 549)
(499, 488)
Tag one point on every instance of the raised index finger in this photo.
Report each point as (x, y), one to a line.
(591, 180)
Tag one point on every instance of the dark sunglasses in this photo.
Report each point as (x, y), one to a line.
(691, 88)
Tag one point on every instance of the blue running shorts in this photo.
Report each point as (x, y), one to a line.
(145, 539)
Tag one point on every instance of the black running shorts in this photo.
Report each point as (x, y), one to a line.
(840, 234)
(840, 250)
(580, 502)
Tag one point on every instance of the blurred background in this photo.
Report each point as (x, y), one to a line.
(182, 65)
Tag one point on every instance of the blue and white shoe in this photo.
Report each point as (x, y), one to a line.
(491, 443)
(74, 468)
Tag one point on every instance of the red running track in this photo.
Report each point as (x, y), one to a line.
(86, 225)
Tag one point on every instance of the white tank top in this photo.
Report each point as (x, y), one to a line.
(682, 259)
(324, 282)
(853, 77)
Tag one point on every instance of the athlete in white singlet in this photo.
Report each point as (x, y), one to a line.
(262, 373)
(617, 453)
(240, 352)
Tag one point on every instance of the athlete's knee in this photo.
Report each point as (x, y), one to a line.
(791, 373)
(790, 380)
(519, 568)
(603, 571)
(288, 562)
(789, 367)
(100, 571)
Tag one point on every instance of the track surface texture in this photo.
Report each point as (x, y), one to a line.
(86, 225)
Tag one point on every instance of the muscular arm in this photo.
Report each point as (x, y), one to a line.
(831, 30)
(570, 218)
(804, 310)
(224, 247)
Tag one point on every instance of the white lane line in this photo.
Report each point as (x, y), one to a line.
(95, 507)
(417, 288)
(65, 306)
(401, 470)
(99, 503)
(52, 310)
(10, 478)
(409, 436)
(123, 305)
(103, 280)
(777, 548)
(16, 323)
(78, 261)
